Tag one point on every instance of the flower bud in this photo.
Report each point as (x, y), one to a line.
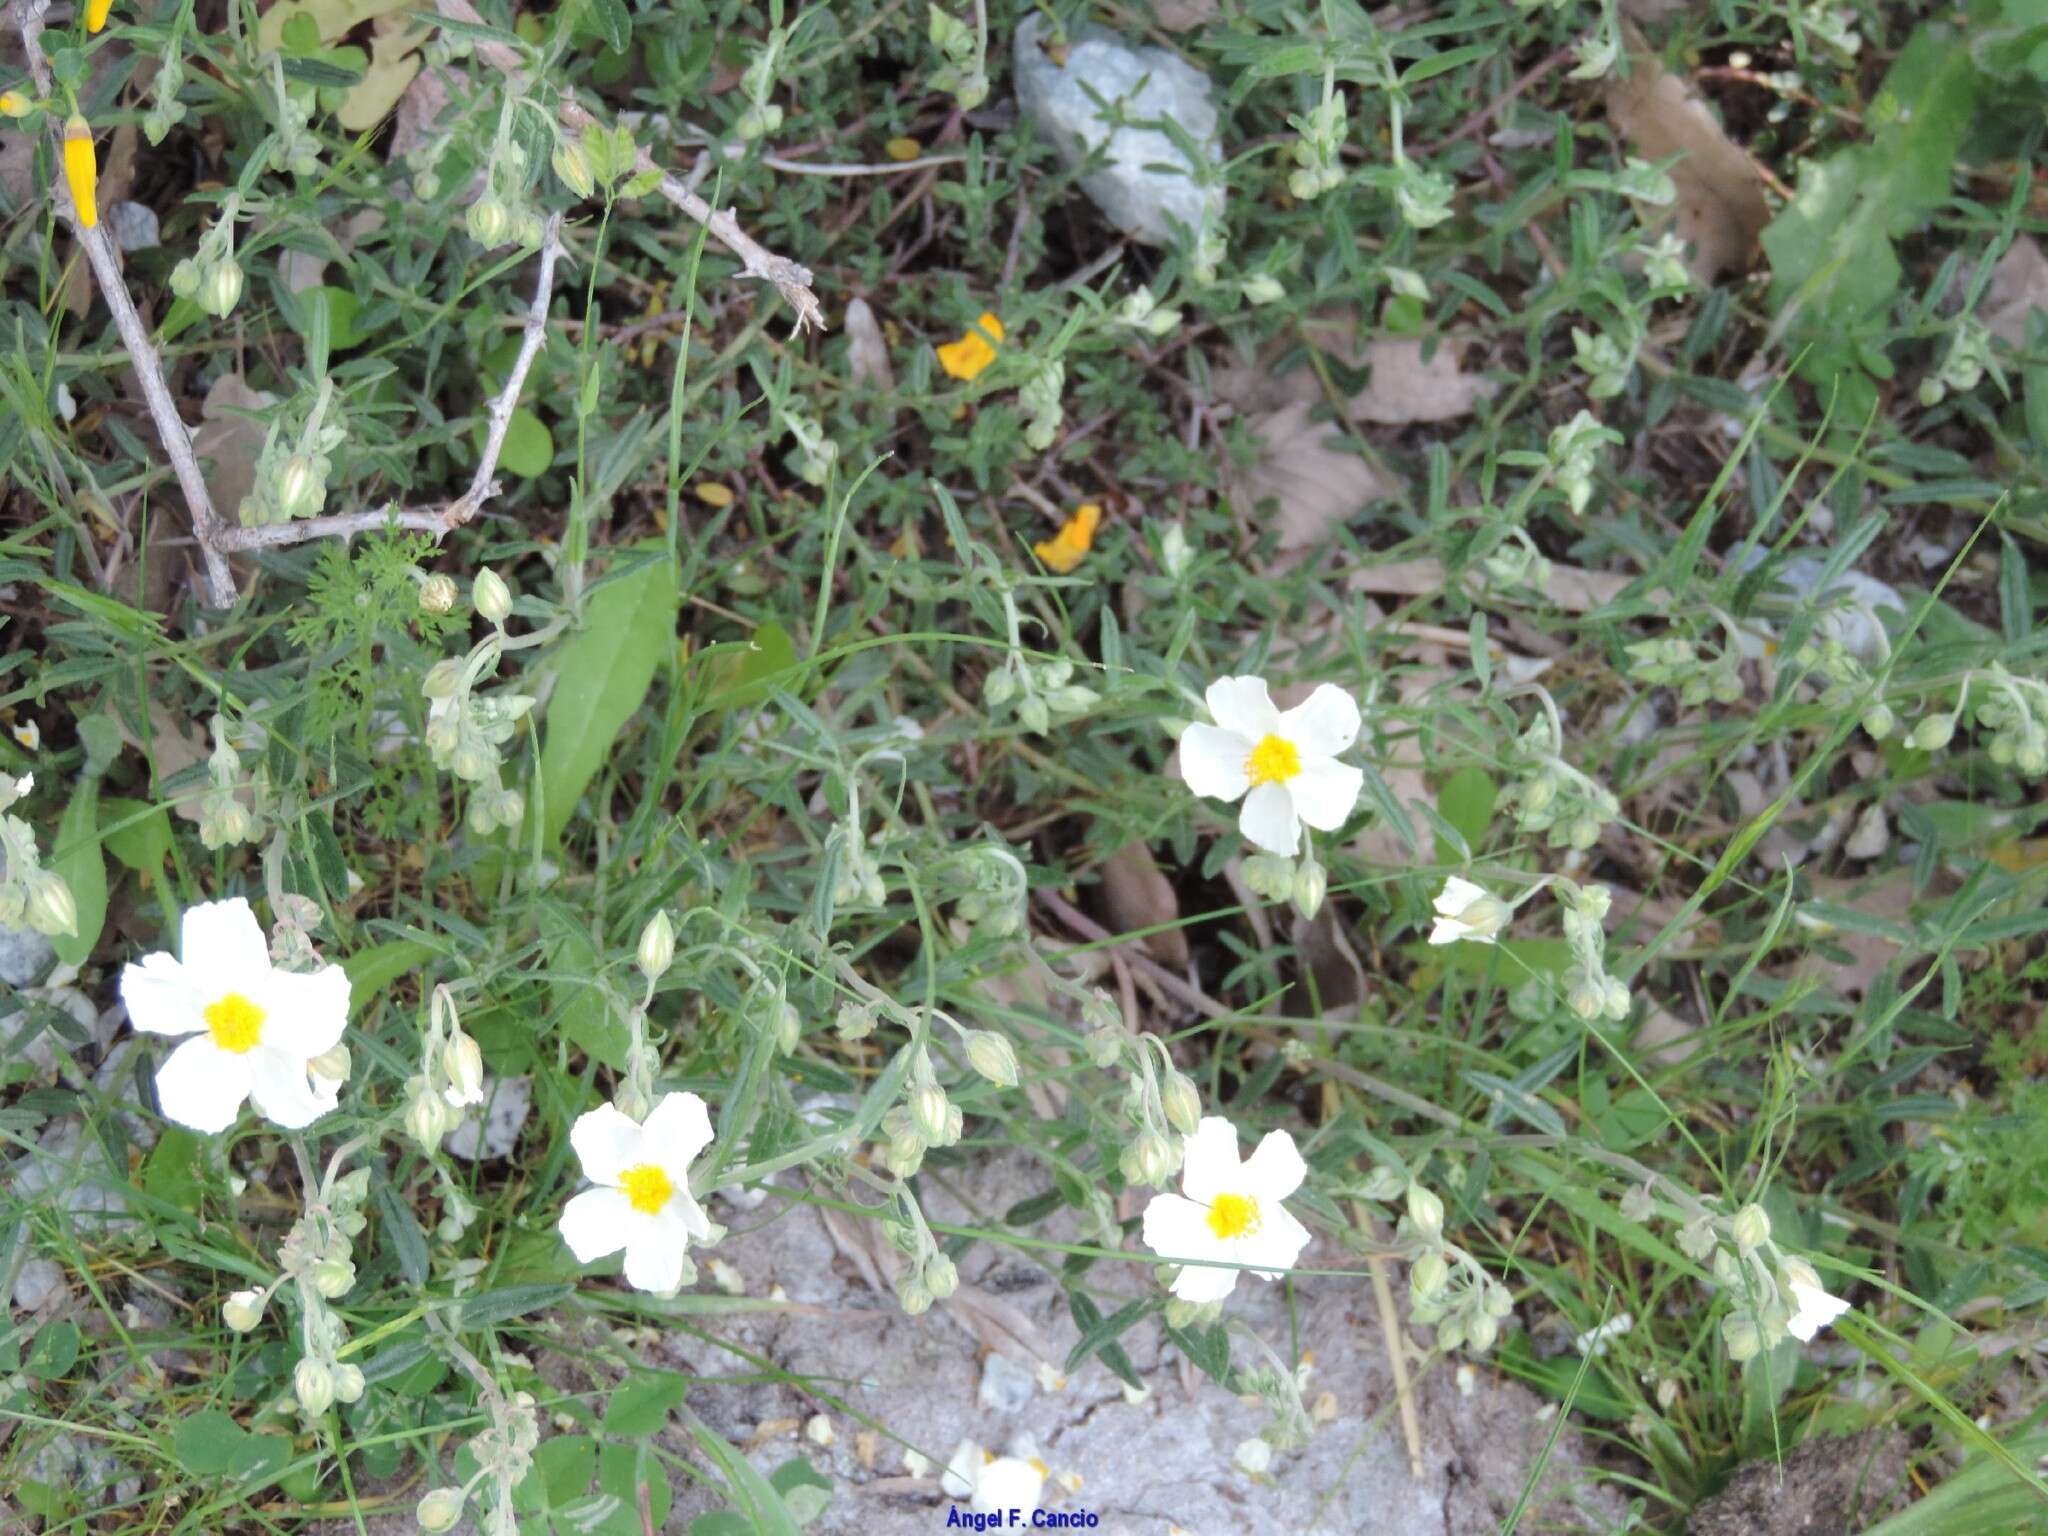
(185, 278)
(470, 762)
(463, 1061)
(1751, 1227)
(299, 491)
(1932, 733)
(1727, 1269)
(333, 1066)
(941, 1277)
(998, 688)
(488, 221)
(788, 1025)
(348, 1383)
(1147, 1160)
(572, 165)
(438, 594)
(82, 170)
(426, 1118)
(313, 1385)
(222, 289)
(509, 808)
(443, 679)
(993, 1057)
(1740, 1337)
(333, 1277)
(1428, 1274)
(1311, 886)
(1450, 1334)
(439, 1510)
(243, 1311)
(1879, 722)
(914, 1295)
(928, 1113)
(1500, 1301)
(1034, 715)
(50, 909)
(905, 1154)
(14, 104)
(492, 597)
(1182, 1102)
(1263, 288)
(657, 947)
(1480, 1333)
(1425, 1210)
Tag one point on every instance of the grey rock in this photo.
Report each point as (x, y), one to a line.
(40, 1050)
(1148, 182)
(39, 1280)
(1851, 603)
(1006, 1387)
(25, 956)
(134, 226)
(492, 1128)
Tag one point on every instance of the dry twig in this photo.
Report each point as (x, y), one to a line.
(791, 280)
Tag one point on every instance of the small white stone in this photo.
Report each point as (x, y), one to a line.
(1006, 1387)
(819, 1431)
(1254, 1456)
(493, 1127)
(39, 1280)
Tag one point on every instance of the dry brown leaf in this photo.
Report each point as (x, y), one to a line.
(1721, 208)
(173, 747)
(227, 444)
(1890, 897)
(1314, 484)
(867, 353)
(1137, 895)
(1405, 388)
(1182, 15)
(2018, 286)
(1340, 984)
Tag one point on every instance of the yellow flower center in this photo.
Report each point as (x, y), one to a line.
(235, 1023)
(1233, 1216)
(647, 1187)
(1273, 761)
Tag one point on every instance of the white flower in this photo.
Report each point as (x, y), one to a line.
(1228, 1211)
(643, 1202)
(29, 735)
(1467, 911)
(1287, 761)
(1815, 1308)
(992, 1484)
(257, 1027)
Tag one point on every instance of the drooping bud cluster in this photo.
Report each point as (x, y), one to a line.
(292, 470)
(930, 1275)
(1164, 1105)
(1302, 881)
(1773, 1295)
(317, 1257)
(223, 819)
(1041, 397)
(465, 729)
(28, 892)
(294, 147)
(761, 116)
(166, 111)
(2011, 709)
(451, 1075)
(926, 1118)
(1589, 991)
(997, 889)
(1446, 1286)
(1039, 693)
(1319, 152)
(1553, 797)
(505, 213)
(503, 1453)
(1574, 454)
(1671, 662)
(1969, 358)
(963, 74)
(211, 277)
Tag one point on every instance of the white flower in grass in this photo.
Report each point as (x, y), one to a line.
(992, 1484)
(643, 1202)
(1283, 763)
(1228, 1212)
(1467, 911)
(257, 1028)
(1815, 1308)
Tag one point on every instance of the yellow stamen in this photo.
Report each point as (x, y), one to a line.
(96, 14)
(647, 1187)
(235, 1023)
(81, 170)
(974, 351)
(1063, 551)
(1233, 1216)
(1273, 761)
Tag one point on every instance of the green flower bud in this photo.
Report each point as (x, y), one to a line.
(928, 1113)
(334, 1066)
(439, 1510)
(657, 950)
(1428, 1275)
(243, 1311)
(1147, 1160)
(993, 1057)
(1480, 1333)
(1932, 733)
(1751, 1227)
(313, 1385)
(1740, 1337)
(1425, 1210)
(50, 908)
(348, 1383)
(489, 222)
(462, 1060)
(941, 1277)
(333, 1277)
(572, 165)
(438, 594)
(185, 278)
(222, 289)
(1182, 1102)
(299, 488)
(1879, 722)
(492, 597)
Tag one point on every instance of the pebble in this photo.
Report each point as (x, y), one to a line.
(25, 956)
(495, 1124)
(1006, 1387)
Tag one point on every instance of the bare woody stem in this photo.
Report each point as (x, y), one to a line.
(791, 279)
(171, 430)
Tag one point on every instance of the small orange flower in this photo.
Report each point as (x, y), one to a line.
(974, 351)
(1063, 551)
(96, 14)
(81, 170)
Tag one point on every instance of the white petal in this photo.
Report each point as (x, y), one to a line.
(1324, 793)
(1008, 1482)
(963, 1469)
(1274, 1170)
(655, 1246)
(1268, 820)
(676, 1130)
(1199, 1283)
(1243, 706)
(607, 1142)
(304, 1016)
(1817, 1309)
(1323, 724)
(691, 1214)
(222, 945)
(161, 998)
(1272, 1250)
(1209, 1165)
(594, 1223)
(279, 1083)
(1177, 1228)
(1212, 761)
(1458, 894)
(202, 1086)
(1449, 930)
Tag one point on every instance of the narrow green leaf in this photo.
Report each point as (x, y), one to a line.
(77, 858)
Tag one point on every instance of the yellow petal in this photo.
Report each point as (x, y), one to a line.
(965, 358)
(96, 14)
(82, 170)
(1065, 549)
